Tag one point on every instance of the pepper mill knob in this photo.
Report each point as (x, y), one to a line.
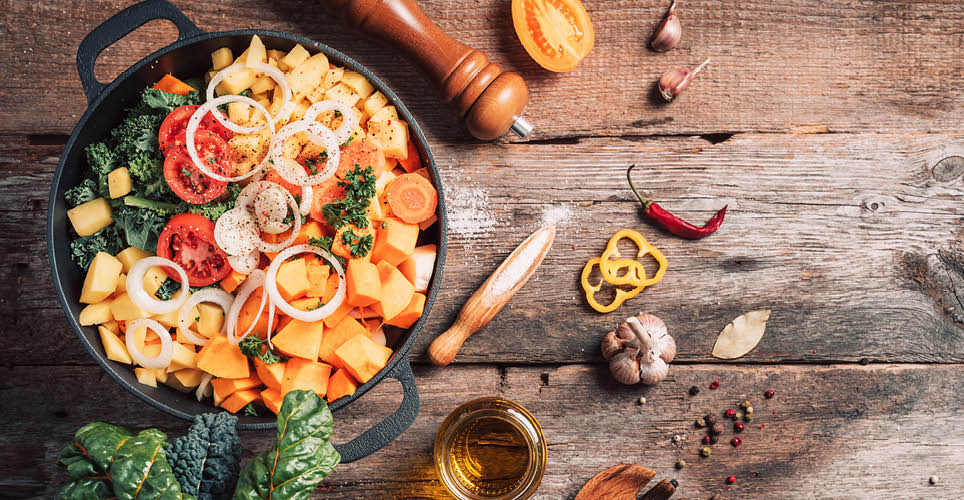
(489, 99)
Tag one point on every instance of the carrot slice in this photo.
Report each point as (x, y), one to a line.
(412, 198)
(172, 85)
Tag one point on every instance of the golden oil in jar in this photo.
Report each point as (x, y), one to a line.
(490, 449)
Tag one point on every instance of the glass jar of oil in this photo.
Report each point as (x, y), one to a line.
(490, 449)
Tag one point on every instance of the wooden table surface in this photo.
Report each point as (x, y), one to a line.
(832, 129)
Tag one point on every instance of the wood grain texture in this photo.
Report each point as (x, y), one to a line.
(778, 66)
(877, 432)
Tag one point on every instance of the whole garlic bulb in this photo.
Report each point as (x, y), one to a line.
(639, 350)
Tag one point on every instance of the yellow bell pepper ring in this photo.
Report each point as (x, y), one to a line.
(606, 263)
(621, 295)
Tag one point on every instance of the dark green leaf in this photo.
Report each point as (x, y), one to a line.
(140, 469)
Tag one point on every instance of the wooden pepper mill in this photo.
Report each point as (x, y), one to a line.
(488, 99)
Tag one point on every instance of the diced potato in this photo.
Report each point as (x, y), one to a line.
(263, 100)
(209, 76)
(174, 383)
(124, 309)
(95, 314)
(90, 217)
(121, 284)
(332, 77)
(358, 83)
(115, 349)
(119, 182)
(183, 357)
(262, 85)
(256, 53)
(189, 377)
(390, 136)
(275, 55)
(374, 210)
(272, 62)
(101, 279)
(239, 112)
(295, 57)
(145, 376)
(342, 93)
(170, 319)
(111, 325)
(306, 75)
(385, 114)
(301, 107)
(374, 102)
(211, 319)
(357, 134)
(221, 58)
(160, 374)
(130, 255)
(247, 150)
(236, 82)
(154, 278)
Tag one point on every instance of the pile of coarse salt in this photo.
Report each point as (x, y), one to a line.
(555, 215)
(468, 212)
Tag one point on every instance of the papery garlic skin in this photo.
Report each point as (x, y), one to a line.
(639, 350)
(675, 81)
(668, 33)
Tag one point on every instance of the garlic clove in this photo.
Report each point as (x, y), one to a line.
(654, 371)
(675, 81)
(668, 33)
(625, 368)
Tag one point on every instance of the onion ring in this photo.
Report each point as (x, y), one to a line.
(317, 133)
(140, 297)
(348, 123)
(245, 264)
(271, 286)
(272, 72)
(254, 281)
(245, 201)
(215, 295)
(212, 106)
(235, 232)
(204, 388)
(163, 359)
(307, 197)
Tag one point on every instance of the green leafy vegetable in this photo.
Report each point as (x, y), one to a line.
(159, 101)
(214, 209)
(163, 208)
(141, 227)
(359, 185)
(84, 248)
(207, 460)
(256, 347)
(168, 288)
(101, 159)
(358, 245)
(137, 134)
(301, 457)
(82, 193)
(250, 410)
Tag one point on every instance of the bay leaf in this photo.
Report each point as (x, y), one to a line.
(741, 335)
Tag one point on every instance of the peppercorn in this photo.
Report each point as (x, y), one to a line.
(730, 413)
(745, 404)
(717, 428)
(674, 482)
(714, 439)
(706, 451)
(680, 463)
(736, 441)
(933, 480)
(731, 479)
(710, 418)
(694, 390)
(677, 438)
(642, 401)
(701, 422)
(769, 394)
(864, 361)
(715, 385)
(748, 416)
(738, 427)
(706, 439)
(738, 415)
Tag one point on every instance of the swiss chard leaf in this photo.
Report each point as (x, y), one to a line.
(88, 459)
(86, 489)
(301, 457)
(140, 470)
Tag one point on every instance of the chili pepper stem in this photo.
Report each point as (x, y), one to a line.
(645, 201)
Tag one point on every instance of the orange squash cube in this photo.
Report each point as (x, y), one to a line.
(232, 281)
(394, 241)
(411, 313)
(364, 284)
(240, 399)
(300, 339)
(222, 359)
(272, 399)
(362, 357)
(340, 385)
(224, 387)
(335, 337)
(396, 291)
(306, 374)
(292, 279)
(271, 375)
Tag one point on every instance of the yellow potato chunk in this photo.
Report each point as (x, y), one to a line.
(188, 377)
(391, 137)
(221, 59)
(121, 284)
(373, 103)
(130, 255)
(145, 376)
(170, 319)
(88, 218)
(95, 314)
(295, 57)
(183, 357)
(342, 93)
(383, 180)
(101, 279)
(358, 83)
(247, 150)
(239, 112)
(275, 55)
(262, 85)
(332, 77)
(119, 182)
(256, 52)
(212, 319)
(385, 114)
(154, 278)
(160, 374)
(236, 82)
(115, 349)
(111, 325)
(174, 383)
(124, 309)
(306, 75)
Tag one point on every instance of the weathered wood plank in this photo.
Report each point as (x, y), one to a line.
(853, 241)
(895, 423)
(777, 66)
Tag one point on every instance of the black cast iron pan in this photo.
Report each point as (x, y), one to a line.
(190, 56)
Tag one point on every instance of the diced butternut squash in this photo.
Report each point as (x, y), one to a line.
(335, 337)
(394, 241)
(292, 279)
(222, 359)
(211, 319)
(396, 291)
(101, 279)
(363, 283)
(362, 357)
(246, 316)
(145, 376)
(225, 387)
(300, 339)
(237, 401)
(90, 217)
(124, 309)
(341, 313)
(95, 314)
(232, 281)
(331, 287)
(183, 357)
(317, 277)
(188, 377)
(119, 182)
(418, 268)
(271, 375)
(306, 374)
(115, 349)
(411, 313)
(221, 58)
(340, 384)
(293, 59)
(131, 255)
(342, 249)
(272, 399)
(312, 229)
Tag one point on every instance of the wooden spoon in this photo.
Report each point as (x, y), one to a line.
(623, 482)
(493, 295)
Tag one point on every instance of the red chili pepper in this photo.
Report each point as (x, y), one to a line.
(672, 223)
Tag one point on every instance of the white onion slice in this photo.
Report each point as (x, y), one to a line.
(272, 72)
(307, 195)
(378, 336)
(293, 172)
(348, 122)
(270, 210)
(204, 389)
(245, 264)
(270, 324)
(254, 281)
(271, 286)
(212, 107)
(140, 297)
(236, 232)
(215, 295)
(163, 359)
(246, 201)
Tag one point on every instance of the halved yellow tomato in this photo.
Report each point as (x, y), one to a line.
(556, 33)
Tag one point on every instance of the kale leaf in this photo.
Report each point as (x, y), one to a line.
(168, 288)
(159, 101)
(82, 193)
(208, 459)
(256, 347)
(137, 134)
(84, 248)
(141, 226)
(214, 209)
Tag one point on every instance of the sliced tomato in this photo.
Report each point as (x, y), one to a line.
(556, 33)
(188, 240)
(173, 133)
(186, 179)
